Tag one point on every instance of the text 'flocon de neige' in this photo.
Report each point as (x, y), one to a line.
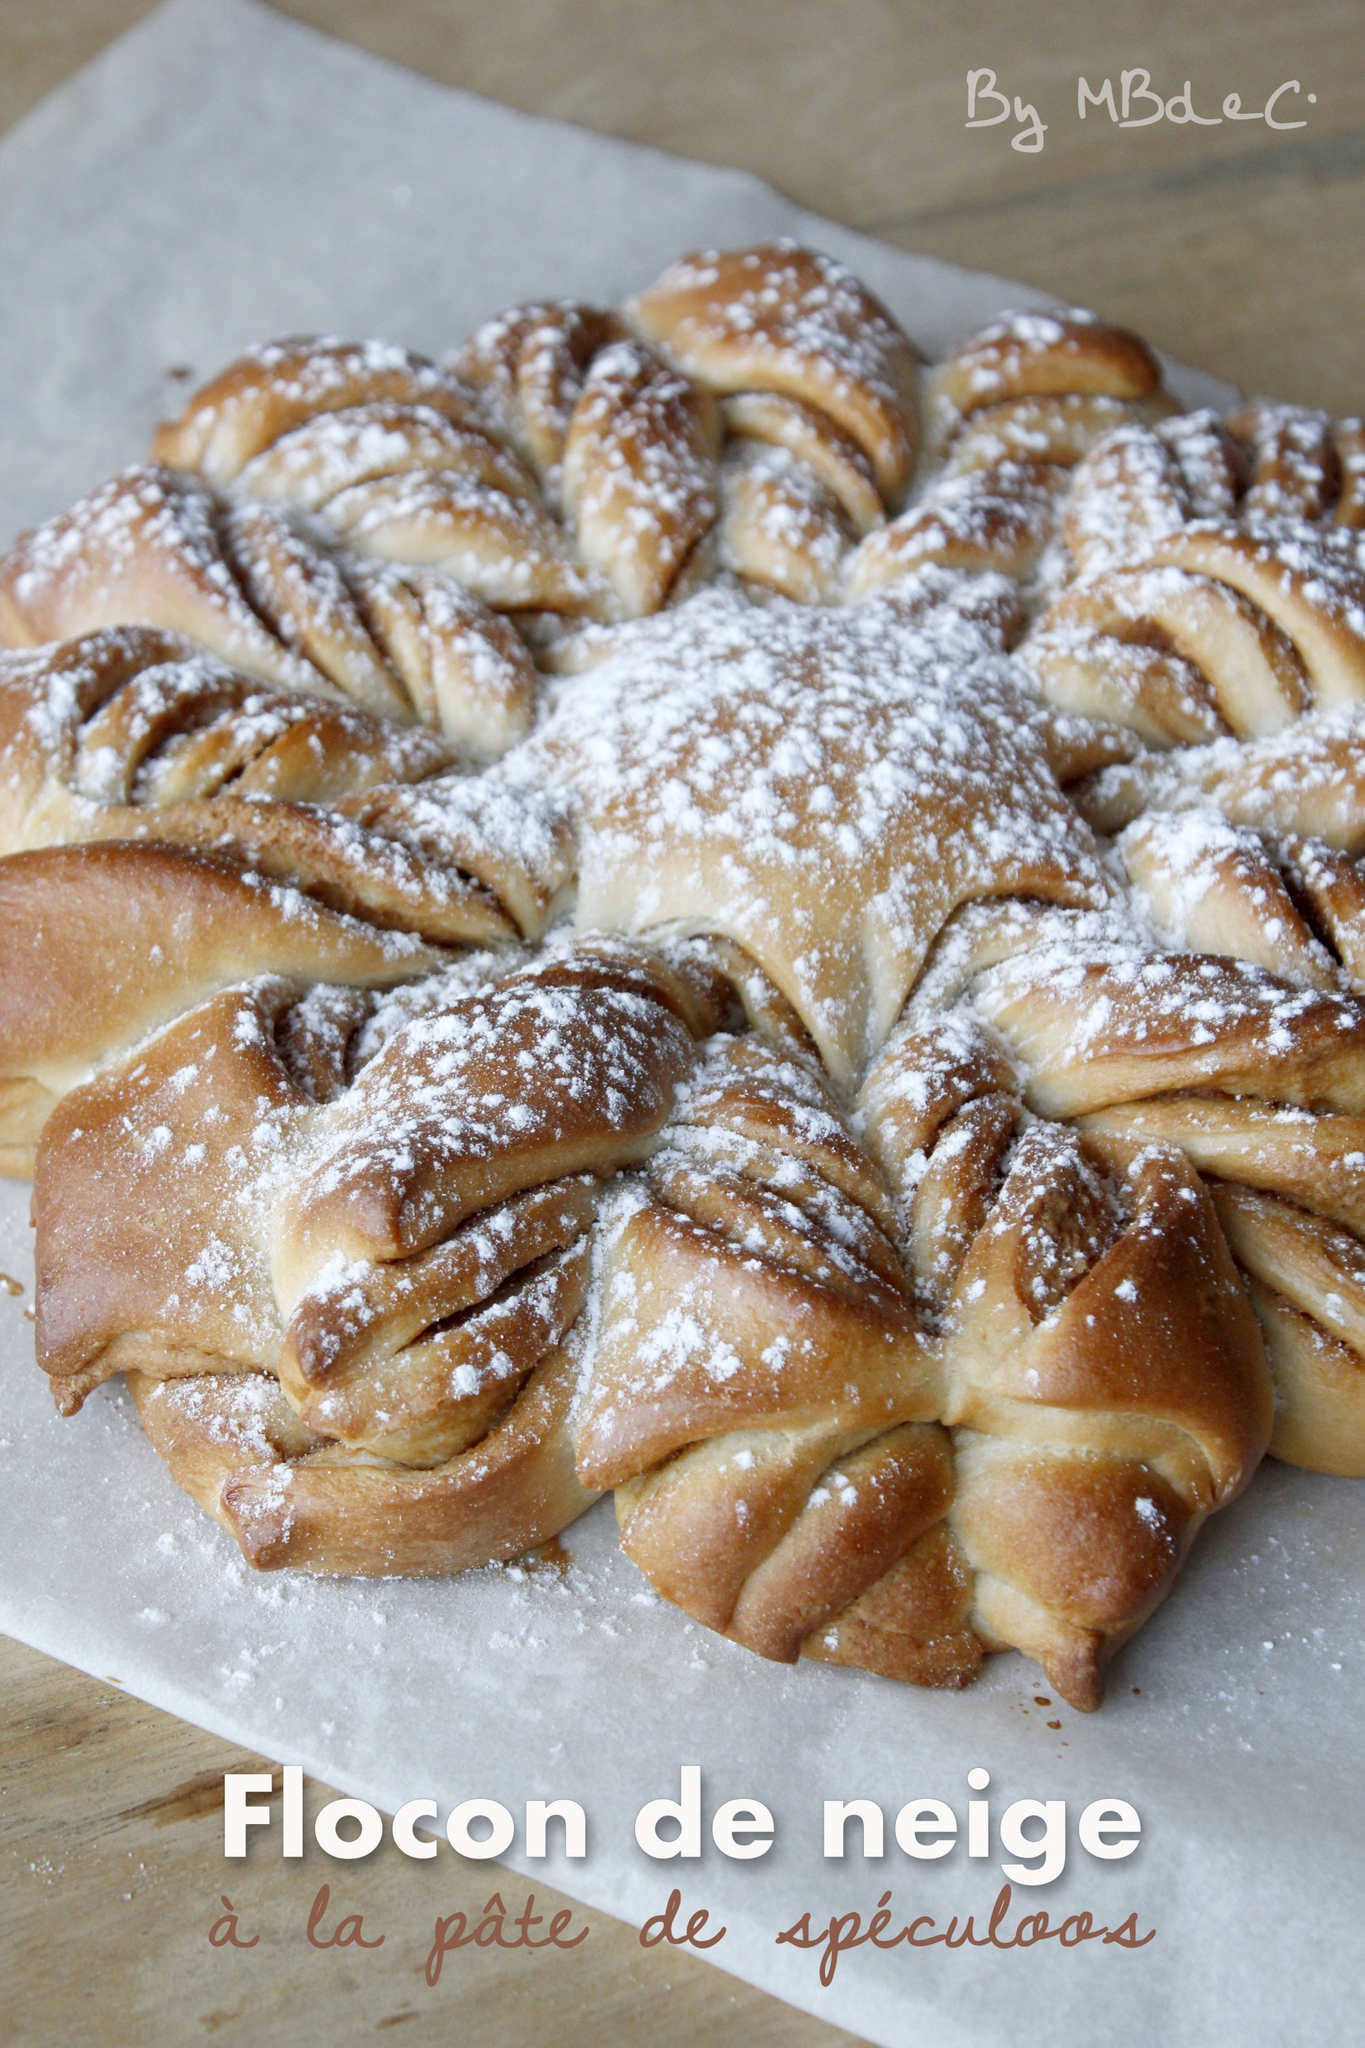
(1029, 1838)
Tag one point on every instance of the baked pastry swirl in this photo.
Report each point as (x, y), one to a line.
(931, 1172)
(377, 1375)
(194, 826)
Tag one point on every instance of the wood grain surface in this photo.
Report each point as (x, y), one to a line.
(1233, 246)
(112, 1874)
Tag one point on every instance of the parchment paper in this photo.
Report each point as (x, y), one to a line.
(221, 175)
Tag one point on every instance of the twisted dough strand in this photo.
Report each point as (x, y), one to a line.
(382, 1380)
(1216, 592)
(284, 833)
(151, 547)
(1012, 410)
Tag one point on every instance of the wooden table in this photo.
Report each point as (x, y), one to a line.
(1233, 246)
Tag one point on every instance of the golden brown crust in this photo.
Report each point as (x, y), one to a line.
(1320, 1388)
(640, 472)
(1071, 1552)
(835, 459)
(441, 1123)
(1028, 355)
(1180, 658)
(1106, 1315)
(780, 318)
(1309, 1156)
(914, 1624)
(330, 451)
(291, 1501)
(675, 1286)
(1292, 460)
(996, 518)
(1308, 1288)
(891, 1375)
(166, 928)
(396, 1400)
(529, 364)
(1309, 780)
(1213, 887)
(1315, 594)
(153, 548)
(1102, 1034)
(282, 385)
(142, 550)
(781, 527)
(1048, 428)
(1216, 592)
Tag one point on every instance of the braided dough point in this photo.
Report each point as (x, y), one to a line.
(515, 849)
(302, 596)
(757, 1339)
(329, 453)
(1293, 461)
(282, 385)
(781, 527)
(1270, 615)
(394, 1395)
(293, 1500)
(528, 365)
(796, 1543)
(506, 551)
(96, 746)
(1099, 1362)
(1128, 493)
(466, 668)
(1211, 461)
(129, 718)
(1331, 890)
(159, 929)
(1349, 440)
(1067, 1603)
(437, 1127)
(753, 1285)
(149, 1255)
(640, 472)
(1056, 428)
(1179, 657)
(150, 547)
(426, 1356)
(1212, 887)
(1313, 590)
(1320, 1419)
(1308, 780)
(1109, 1368)
(1096, 1034)
(1308, 1290)
(1033, 355)
(1284, 1137)
(143, 549)
(1098, 1309)
(996, 518)
(781, 318)
(836, 460)
(1290, 1196)
(921, 1081)
(1310, 1157)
